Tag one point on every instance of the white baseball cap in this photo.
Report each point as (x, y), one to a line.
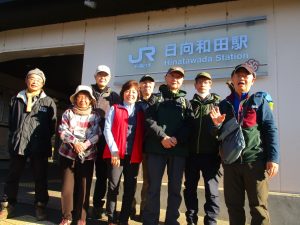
(102, 68)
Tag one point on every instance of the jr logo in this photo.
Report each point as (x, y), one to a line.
(149, 52)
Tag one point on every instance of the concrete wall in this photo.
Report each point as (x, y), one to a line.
(99, 38)
(283, 48)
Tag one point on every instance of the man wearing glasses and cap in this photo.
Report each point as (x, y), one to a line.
(167, 131)
(204, 155)
(32, 120)
(259, 159)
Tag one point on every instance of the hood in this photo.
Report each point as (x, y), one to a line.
(167, 93)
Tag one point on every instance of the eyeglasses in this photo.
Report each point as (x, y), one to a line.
(37, 80)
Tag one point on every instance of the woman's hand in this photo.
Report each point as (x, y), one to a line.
(79, 147)
(115, 161)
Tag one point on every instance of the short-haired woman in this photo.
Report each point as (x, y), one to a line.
(123, 131)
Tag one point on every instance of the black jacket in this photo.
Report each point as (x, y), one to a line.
(31, 132)
(202, 138)
(169, 116)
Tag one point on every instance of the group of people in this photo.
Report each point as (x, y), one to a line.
(116, 133)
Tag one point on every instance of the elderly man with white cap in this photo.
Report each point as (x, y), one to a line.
(105, 98)
(32, 120)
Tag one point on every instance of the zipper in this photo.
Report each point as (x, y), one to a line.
(241, 111)
(200, 126)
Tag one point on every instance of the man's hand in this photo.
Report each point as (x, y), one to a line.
(169, 142)
(216, 116)
(272, 169)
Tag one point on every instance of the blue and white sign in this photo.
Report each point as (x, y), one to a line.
(215, 48)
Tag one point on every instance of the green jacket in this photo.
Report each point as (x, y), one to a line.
(202, 139)
(170, 116)
(259, 128)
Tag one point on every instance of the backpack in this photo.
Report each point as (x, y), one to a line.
(267, 97)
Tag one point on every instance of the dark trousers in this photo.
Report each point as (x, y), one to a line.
(156, 167)
(76, 185)
(144, 186)
(130, 172)
(101, 181)
(252, 179)
(39, 167)
(209, 166)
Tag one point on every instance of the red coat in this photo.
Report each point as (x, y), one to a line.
(119, 130)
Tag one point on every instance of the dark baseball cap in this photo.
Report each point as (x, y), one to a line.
(147, 77)
(203, 74)
(177, 69)
(246, 66)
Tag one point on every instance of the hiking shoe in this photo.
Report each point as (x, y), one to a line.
(99, 213)
(65, 222)
(81, 222)
(3, 213)
(40, 213)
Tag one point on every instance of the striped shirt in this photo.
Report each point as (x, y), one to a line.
(76, 128)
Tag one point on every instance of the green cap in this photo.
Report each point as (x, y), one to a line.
(203, 74)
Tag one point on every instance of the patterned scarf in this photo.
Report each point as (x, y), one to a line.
(30, 96)
(82, 111)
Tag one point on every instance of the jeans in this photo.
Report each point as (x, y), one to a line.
(156, 167)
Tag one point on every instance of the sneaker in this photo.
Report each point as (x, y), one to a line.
(81, 222)
(6, 211)
(40, 213)
(65, 222)
(133, 214)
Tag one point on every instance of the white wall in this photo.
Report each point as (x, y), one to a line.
(99, 37)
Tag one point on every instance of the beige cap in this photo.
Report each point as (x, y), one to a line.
(83, 88)
(176, 69)
(37, 72)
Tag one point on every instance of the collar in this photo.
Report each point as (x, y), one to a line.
(22, 95)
